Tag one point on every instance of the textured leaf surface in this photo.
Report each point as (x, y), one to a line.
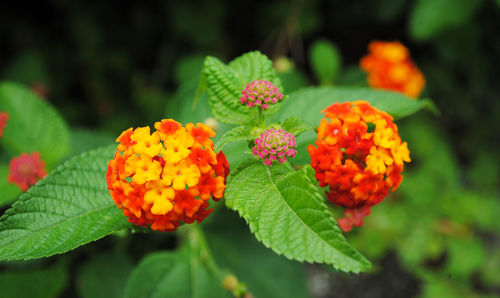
(174, 274)
(223, 93)
(254, 66)
(286, 212)
(225, 82)
(33, 125)
(308, 103)
(66, 209)
(240, 133)
(296, 126)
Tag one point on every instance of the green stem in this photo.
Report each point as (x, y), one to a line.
(198, 241)
(201, 251)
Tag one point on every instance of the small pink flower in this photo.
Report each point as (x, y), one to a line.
(275, 145)
(3, 121)
(26, 170)
(260, 93)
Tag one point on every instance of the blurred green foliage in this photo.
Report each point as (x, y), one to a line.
(326, 61)
(107, 66)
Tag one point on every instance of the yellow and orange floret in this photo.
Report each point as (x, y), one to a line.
(166, 178)
(358, 154)
(390, 67)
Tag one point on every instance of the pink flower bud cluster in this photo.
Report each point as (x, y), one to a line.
(275, 145)
(260, 93)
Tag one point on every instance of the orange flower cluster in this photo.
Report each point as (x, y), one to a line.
(26, 170)
(3, 121)
(358, 154)
(389, 66)
(167, 177)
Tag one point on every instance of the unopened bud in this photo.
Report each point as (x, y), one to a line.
(283, 64)
(212, 123)
(230, 282)
(260, 93)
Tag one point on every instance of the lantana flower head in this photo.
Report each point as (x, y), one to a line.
(260, 93)
(359, 165)
(167, 177)
(390, 67)
(26, 169)
(3, 121)
(275, 145)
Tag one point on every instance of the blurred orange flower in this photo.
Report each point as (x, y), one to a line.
(389, 66)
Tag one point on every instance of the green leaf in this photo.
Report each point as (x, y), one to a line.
(325, 60)
(39, 283)
(28, 67)
(236, 250)
(240, 133)
(223, 93)
(180, 105)
(490, 271)
(296, 126)
(254, 66)
(188, 67)
(104, 275)
(174, 274)
(466, 255)
(83, 140)
(225, 83)
(236, 153)
(418, 243)
(66, 209)
(429, 18)
(33, 125)
(308, 103)
(352, 76)
(435, 285)
(293, 80)
(286, 212)
(9, 191)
